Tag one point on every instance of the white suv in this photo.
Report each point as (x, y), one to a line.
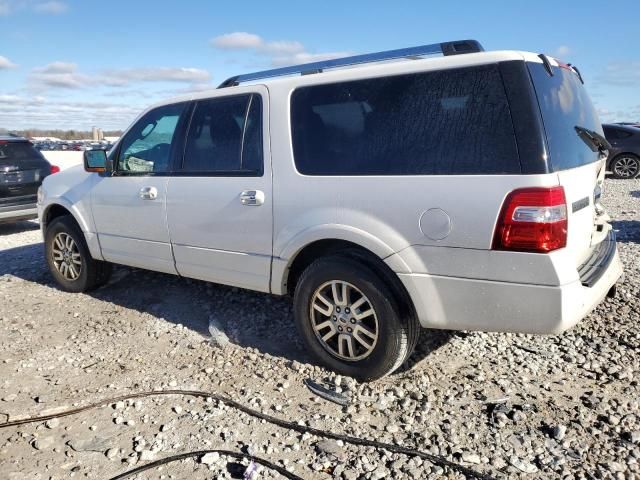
(459, 191)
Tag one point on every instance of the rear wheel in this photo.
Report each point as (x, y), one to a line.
(69, 259)
(350, 319)
(625, 166)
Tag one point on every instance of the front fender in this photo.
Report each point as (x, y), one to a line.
(71, 189)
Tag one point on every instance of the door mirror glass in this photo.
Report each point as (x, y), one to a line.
(95, 160)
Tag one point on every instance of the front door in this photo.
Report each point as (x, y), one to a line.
(129, 206)
(219, 202)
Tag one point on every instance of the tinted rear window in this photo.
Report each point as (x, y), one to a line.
(18, 151)
(565, 104)
(446, 122)
(226, 136)
(616, 133)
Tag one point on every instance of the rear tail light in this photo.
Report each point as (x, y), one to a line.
(54, 169)
(532, 220)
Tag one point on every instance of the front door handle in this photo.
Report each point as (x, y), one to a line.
(253, 198)
(148, 193)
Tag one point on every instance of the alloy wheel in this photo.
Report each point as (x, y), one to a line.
(66, 256)
(344, 320)
(626, 167)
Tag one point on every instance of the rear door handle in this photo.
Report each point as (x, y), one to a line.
(148, 193)
(253, 198)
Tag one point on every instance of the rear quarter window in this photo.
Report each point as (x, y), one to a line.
(564, 104)
(449, 122)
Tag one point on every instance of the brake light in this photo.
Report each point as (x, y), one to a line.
(532, 220)
(54, 169)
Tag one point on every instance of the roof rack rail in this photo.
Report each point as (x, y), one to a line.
(447, 48)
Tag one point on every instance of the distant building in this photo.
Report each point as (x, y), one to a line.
(95, 134)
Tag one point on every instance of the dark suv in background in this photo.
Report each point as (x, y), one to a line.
(624, 156)
(22, 169)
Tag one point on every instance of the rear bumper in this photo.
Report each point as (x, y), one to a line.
(469, 304)
(20, 212)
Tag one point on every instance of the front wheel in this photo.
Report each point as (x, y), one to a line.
(350, 319)
(625, 166)
(69, 259)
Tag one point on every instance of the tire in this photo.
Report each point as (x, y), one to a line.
(625, 166)
(69, 260)
(396, 332)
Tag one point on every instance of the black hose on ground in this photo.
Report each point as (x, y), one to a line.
(199, 453)
(434, 459)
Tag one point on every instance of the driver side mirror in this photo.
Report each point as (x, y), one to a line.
(95, 161)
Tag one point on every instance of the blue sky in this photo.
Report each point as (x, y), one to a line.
(75, 64)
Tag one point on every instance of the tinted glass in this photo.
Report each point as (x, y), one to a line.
(251, 158)
(623, 134)
(446, 122)
(610, 133)
(147, 147)
(18, 151)
(565, 104)
(225, 136)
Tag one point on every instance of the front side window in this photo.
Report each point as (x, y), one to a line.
(450, 122)
(147, 146)
(225, 136)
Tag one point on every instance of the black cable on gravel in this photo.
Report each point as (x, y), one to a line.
(434, 459)
(228, 453)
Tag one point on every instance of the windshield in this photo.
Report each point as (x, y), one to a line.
(565, 105)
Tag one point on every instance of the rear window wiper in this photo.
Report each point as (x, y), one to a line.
(595, 141)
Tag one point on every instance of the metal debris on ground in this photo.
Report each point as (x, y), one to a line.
(218, 337)
(327, 393)
(251, 473)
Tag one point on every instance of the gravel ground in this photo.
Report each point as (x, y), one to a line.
(562, 406)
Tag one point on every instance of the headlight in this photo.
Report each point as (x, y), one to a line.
(40, 195)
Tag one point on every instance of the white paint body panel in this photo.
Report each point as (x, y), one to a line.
(455, 303)
(72, 190)
(131, 230)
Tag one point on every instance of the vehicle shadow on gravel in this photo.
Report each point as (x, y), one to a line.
(25, 262)
(627, 231)
(250, 319)
(430, 340)
(17, 227)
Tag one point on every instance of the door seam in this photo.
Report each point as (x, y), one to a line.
(166, 224)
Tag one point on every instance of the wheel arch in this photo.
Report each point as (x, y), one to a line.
(323, 247)
(60, 208)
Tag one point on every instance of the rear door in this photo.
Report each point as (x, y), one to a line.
(219, 203)
(565, 105)
(22, 169)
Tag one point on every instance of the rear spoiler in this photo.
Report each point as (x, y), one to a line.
(547, 65)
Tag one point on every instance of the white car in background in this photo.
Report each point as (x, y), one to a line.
(458, 192)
